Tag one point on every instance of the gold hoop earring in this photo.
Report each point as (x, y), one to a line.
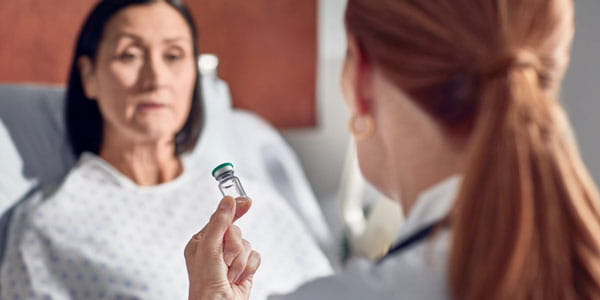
(361, 126)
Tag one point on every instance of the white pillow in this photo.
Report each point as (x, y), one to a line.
(265, 152)
(33, 145)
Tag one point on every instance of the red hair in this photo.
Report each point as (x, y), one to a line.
(526, 222)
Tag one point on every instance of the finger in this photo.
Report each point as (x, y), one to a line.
(190, 249)
(242, 206)
(251, 266)
(232, 244)
(246, 285)
(239, 264)
(188, 254)
(219, 222)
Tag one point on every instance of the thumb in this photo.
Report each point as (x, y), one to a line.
(242, 205)
(206, 266)
(219, 222)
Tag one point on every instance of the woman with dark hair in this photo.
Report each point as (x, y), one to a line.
(85, 122)
(456, 117)
(116, 226)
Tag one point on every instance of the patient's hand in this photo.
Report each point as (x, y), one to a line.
(220, 262)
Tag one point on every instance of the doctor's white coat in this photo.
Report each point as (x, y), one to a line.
(417, 272)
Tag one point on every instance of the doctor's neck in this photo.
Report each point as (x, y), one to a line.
(426, 170)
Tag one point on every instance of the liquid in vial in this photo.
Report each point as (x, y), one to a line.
(229, 184)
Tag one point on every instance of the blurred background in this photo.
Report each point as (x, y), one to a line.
(282, 59)
(322, 148)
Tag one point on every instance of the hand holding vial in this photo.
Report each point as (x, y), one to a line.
(220, 263)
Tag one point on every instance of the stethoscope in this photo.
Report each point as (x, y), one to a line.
(411, 240)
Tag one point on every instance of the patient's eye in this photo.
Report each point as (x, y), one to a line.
(127, 56)
(174, 55)
(130, 55)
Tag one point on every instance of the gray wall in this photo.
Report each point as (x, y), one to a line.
(581, 90)
(322, 149)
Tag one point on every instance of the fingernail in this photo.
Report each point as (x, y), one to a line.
(225, 204)
(241, 199)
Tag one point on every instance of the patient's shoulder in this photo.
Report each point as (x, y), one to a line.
(85, 178)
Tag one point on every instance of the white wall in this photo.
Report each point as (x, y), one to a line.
(322, 149)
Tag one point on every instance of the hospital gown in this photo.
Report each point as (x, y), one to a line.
(101, 236)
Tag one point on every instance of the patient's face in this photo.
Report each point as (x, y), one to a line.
(144, 74)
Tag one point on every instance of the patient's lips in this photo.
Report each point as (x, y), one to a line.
(150, 106)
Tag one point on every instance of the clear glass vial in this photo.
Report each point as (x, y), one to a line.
(229, 184)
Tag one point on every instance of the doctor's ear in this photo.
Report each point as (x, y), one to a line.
(357, 77)
(88, 77)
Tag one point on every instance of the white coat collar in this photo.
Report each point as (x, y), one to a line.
(432, 205)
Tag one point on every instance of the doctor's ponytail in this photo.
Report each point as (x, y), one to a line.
(526, 221)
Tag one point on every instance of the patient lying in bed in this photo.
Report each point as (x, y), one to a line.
(117, 225)
(102, 236)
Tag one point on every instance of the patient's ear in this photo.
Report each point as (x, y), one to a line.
(88, 77)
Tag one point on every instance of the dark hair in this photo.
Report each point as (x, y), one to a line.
(84, 121)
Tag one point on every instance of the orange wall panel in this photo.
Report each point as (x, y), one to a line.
(267, 49)
(37, 38)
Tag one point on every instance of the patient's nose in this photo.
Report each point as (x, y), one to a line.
(153, 73)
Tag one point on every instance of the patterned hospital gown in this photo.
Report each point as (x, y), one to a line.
(101, 236)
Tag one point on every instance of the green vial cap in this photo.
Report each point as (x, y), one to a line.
(221, 166)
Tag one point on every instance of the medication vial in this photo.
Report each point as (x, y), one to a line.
(229, 184)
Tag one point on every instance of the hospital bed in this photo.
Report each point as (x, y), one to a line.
(34, 150)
